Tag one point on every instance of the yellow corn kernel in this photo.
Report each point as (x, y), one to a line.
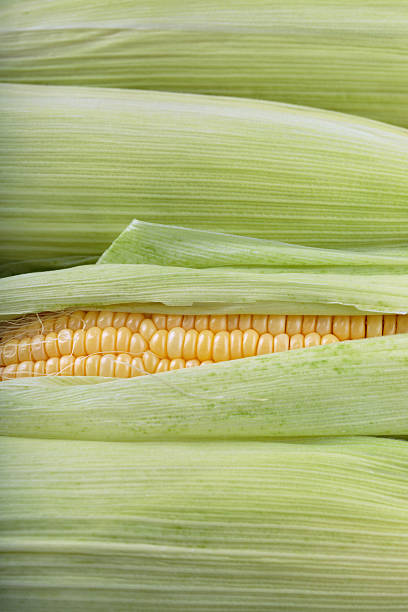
(236, 338)
(188, 322)
(324, 325)
(78, 343)
(10, 371)
(123, 337)
(402, 324)
(297, 341)
(218, 323)
(177, 364)
(52, 366)
(163, 366)
(190, 344)
(123, 365)
(329, 339)
(90, 319)
(312, 339)
(221, 349)
(276, 324)
(92, 365)
(25, 368)
(191, 363)
(358, 327)
(39, 368)
(260, 323)
(51, 345)
(174, 321)
(245, 322)
(119, 320)
(204, 345)
(76, 320)
(93, 340)
(265, 344)
(136, 367)
(175, 341)
(60, 323)
(146, 329)
(374, 326)
(10, 352)
(341, 327)
(202, 322)
(390, 325)
(67, 365)
(137, 345)
(232, 322)
(24, 349)
(150, 362)
(133, 321)
(294, 324)
(160, 321)
(281, 343)
(79, 366)
(104, 319)
(249, 343)
(309, 324)
(108, 340)
(64, 340)
(107, 366)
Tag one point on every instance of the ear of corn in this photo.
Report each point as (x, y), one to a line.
(166, 245)
(261, 169)
(214, 526)
(341, 55)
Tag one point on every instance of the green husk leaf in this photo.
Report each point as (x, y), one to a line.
(150, 288)
(100, 527)
(168, 245)
(81, 163)
(358, 387)
(335, 54)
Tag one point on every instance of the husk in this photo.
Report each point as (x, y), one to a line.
(153, 288)
(81, 163)
(168, 245)
(358, 387)
(211, 526)
(348, 55)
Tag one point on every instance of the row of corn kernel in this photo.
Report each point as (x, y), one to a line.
(344, 327)
(119, 366)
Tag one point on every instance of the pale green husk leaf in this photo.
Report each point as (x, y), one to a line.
(81, 163)
(347, 55)
(167, 245)
(100, 527)
(358, 387)
(152, 288)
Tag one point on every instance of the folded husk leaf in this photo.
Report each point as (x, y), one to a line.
(252, 526)
(341, 55)
(168, 245)
(153, 288)
(81, 163)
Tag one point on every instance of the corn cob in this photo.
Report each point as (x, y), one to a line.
(336, 54)
(124, 345)
(233, 165)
